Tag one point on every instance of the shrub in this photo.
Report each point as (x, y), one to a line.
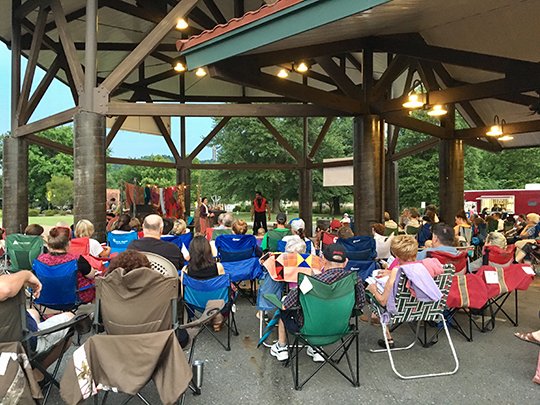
(33, 212)
(50, 213)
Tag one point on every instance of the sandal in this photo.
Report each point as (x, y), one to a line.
(527, 337)
(382, 344)
(217, 327)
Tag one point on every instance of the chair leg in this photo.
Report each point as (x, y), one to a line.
(410, 377)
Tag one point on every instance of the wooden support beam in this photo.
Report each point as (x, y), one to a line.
(147, 45)
(393, 141)
(245, 166)
(404, 121)
(215, 11)
(139, 162)
(146, 14)
(413, 150)
(420, 50)
(46, 123)
(287, 88)
(219, 110)
(28, 6)
(337, 163)
(511, 128)
(320, 138)
(398, 65)
(351, 58)
(477, 91)
(68, 46)
(47, 143)
(281, 140)
(114, 129)
(32, 58)
(39, 92)
(199, 17)
(208, 138)
(344, 83)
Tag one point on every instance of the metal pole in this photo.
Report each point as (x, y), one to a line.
(90, 54)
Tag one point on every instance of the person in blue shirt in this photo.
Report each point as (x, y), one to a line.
(443, 240)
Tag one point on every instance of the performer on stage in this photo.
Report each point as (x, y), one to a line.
(204, 214)
(258, 212)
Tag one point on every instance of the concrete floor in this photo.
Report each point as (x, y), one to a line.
(495, 368)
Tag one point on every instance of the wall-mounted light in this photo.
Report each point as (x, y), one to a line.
(437, 110)
(415, 99)
(181, 24)
(200, 72)
(497, 129)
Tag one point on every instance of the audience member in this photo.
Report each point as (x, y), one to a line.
(528, 235)
(180, 227)
(335, 261)
(151, 241)
(271, 238)
(57, 244)
(122, 224)
(295, 244)
(443, 240)
(532, 337)
(85, 229)
(404, 218)
(168, 225)
(298, 227)
(493, 239)
(240, 227)
(414, 219)
(431, 211)
(34, 230)
(382, 242)
(389, 223)
(346, 220)
(135, 224)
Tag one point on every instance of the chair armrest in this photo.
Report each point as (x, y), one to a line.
(213, 308)
(273, 299)
(59, 327)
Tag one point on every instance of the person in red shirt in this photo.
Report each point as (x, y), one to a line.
(258, 212)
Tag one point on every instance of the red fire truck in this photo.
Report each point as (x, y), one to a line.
(521, 201)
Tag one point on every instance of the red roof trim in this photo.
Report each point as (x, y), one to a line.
(235, 23)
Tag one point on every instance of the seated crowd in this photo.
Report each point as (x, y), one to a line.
(396, 245)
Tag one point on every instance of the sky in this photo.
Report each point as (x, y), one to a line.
(126, 144)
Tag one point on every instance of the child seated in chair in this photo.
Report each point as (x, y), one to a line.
(404, 248)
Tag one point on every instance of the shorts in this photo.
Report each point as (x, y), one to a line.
(46, 342)
(290, 319)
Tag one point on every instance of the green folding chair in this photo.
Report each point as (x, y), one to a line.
(217, 232)
(411, 230)
(327, 310)
(390, 231)
(273, 237)
(22, 250)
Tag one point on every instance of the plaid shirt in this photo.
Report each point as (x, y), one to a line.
(328, 276)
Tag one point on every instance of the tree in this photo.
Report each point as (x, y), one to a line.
(60, 191)
(117, 175)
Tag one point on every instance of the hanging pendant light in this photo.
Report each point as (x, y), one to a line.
(179, 67)
(301, 67)
(181, 24)
(283, 73)
(200, 72)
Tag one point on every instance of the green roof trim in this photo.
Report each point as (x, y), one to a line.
(301, 17)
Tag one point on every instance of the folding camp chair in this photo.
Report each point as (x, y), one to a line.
(59, 282)
(273, 237)
(500, 259)
(359, 247)
(197, 293)
(237, 254)
(179, 240)
(142, 302)
(13, 328)
(120, 241)
(327, 310)
(460, 261)
(465, 235)
(22, 250)
(409, 309)
(327, 238)
(390, 231)
(412, 230)
(364, 268)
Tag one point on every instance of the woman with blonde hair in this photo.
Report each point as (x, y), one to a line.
(85, 229)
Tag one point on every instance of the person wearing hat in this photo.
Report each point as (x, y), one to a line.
(335, 260)
(298, 227)
(273, 236)
(346, 220)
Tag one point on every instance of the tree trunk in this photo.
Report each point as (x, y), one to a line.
(275, 205)
(336, 206)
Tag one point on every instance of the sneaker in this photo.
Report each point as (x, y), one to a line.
(314, 355)
(279, 352)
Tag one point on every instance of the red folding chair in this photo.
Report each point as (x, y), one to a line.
(459, 260)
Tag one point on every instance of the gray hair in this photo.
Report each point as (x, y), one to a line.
(227, 219)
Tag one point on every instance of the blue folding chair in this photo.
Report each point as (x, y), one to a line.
(359, 247)
(59, 291)
(364, 268)
(179, 240)
(237, 254)
(120, 241)
(197, 293)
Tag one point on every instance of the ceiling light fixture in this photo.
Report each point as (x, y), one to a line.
(415, 99)
(437, 110)
(200, 72)
(505, 138)
(497, 129)
(179, 67)
(301, 67)
(181, 24)
(283, 73)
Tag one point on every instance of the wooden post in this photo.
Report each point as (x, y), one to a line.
(305, 200)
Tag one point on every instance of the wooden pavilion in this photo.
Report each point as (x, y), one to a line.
(361, 58)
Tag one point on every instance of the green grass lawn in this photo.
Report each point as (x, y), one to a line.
(50, 221)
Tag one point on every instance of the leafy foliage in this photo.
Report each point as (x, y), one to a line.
(60, 191)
